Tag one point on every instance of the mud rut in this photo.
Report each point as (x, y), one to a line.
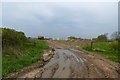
(70, 64)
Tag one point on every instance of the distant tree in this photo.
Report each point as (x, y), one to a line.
(94, 39)
(102, 37)
(115, 35)
(29, 37)
(72, 37)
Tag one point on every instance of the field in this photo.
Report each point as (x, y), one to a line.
(105, 49)
(15, 58)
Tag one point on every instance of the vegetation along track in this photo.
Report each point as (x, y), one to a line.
(72, 63)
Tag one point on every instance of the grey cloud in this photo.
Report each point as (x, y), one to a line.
(61, 19)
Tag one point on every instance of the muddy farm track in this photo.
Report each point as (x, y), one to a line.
(67, 62)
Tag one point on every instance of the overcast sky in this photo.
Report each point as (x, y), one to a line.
(81, 19)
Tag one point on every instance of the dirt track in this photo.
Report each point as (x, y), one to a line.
(72, 63)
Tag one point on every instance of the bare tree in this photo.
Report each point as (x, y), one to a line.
(115, 35)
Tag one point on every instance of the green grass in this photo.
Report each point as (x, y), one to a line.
(17, 57)
(104, 48)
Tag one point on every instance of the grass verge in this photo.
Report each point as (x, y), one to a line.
(104, 48)
(15, 58)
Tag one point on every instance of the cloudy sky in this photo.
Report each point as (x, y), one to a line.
(80, 19)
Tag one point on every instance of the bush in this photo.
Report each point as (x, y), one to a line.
(12, 37)
(102, 37)
(72, 37)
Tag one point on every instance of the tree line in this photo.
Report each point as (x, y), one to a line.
(102, 37)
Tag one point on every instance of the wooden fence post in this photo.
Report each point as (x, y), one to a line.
(91, 45)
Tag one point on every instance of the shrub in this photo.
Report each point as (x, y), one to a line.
(72, 37)
(102, 37)
(12, 37)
